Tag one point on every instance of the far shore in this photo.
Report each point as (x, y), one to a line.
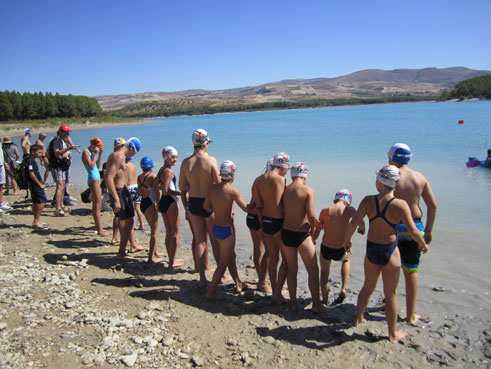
(17, 129)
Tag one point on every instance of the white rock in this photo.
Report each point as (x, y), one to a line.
(99, 359)
(129, 360)
(168, 341)
(137, 340)
(3, 325)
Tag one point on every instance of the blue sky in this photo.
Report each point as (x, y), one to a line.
(114, 47)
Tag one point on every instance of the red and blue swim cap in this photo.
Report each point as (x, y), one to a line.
(344, 195)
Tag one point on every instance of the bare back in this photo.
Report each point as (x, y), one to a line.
(25, 144)
(270, 188)
(116, 167)
(198, 173)
(221, 199)
(298, 203)
(335, 220)
(130, 173)
(379, 230)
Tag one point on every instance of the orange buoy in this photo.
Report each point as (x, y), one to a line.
(461, 121)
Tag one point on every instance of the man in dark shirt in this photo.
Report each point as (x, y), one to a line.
(37, 186)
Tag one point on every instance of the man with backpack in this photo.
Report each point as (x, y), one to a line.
(59, 163)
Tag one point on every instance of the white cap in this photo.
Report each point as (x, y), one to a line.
(227, 170)
(200, 137)
(169, 151)
(344, 195)
(389, 175)
(281, 160)
(299, 170)
(269, 165)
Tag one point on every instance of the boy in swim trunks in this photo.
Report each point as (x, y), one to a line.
(384, 212)
(36, 186)
(334, 220)
(267, 195)
(197, 174)
(413, 186)
(116, 180)
(219, 201)
(298, 225)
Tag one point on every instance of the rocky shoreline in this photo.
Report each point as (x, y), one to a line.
(65, 300)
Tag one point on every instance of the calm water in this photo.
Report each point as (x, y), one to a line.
(343, 147)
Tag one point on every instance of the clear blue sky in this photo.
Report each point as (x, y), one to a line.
(113, 47)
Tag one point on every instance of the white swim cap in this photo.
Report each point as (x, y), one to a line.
(281, 160)
(344, 195)
(269, 165)
(169, 151)
(227, 170)
(389, 175)
(400, 153)
(200, 137)
(299, 170)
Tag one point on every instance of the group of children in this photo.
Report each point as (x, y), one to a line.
(280, 217)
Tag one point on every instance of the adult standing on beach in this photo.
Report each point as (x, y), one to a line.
(296, 235)
(116, 180)
(2, 182)
(198, 173)
(413, 186)
(59, 164)
(169, 204)
(11, 156)
(384, 212)
(267, 197)
(25, 144)
(44, 157)
(91, 158)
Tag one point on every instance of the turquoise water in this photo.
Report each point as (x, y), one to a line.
(343, 147)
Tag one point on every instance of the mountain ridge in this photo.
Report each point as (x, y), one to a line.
(364, 83)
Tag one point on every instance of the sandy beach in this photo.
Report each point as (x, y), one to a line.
(65, 298)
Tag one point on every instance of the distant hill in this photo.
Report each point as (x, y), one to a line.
(365, 83)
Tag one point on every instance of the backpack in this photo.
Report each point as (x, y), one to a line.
(22, 174)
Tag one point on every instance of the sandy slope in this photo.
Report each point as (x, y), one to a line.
(65, 301)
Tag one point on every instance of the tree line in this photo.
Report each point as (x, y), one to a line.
(167, 109)
(477, 87)
(17, 106)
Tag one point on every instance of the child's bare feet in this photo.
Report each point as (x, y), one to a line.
(414, 319)
(114, 241)
(264, 288)
(136, 248)
(226, 277)
(241, 286)
(398, 336)
(176, 264)
(125, 257)
(280, 299)
(359, 321)
(103, 234)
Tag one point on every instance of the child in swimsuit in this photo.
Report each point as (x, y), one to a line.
(334, 220)
(220, 200)
(148, 190)
(169, 204)
(382, 255)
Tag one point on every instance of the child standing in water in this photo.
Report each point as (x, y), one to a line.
(382, 255)
(334, 220)
(220, 200)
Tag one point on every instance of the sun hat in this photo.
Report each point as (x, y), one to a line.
(227, 170)
(65, 128)
(344, 195)
(7, 140)
(168, 152)
(299, 170)
(200, 137)
(281, 160)
(96, 141)
(146, 163)
(400, 153)
(118, 142)
(389, 176)
(134, 143)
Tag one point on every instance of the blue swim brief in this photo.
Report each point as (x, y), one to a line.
(222, 232)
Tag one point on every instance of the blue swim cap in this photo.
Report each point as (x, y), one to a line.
(400, 153)
(146, 163)
(128, 158)
(134, 143)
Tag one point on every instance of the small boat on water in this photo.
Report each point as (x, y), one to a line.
(474, 162)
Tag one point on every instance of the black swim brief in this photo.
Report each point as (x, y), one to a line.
(379, 254)
(252, 222)
(330, 253)
(292, 238)
(127, 210)
(196, 207)
(145, 204)
(271, 225)
(165, 202)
